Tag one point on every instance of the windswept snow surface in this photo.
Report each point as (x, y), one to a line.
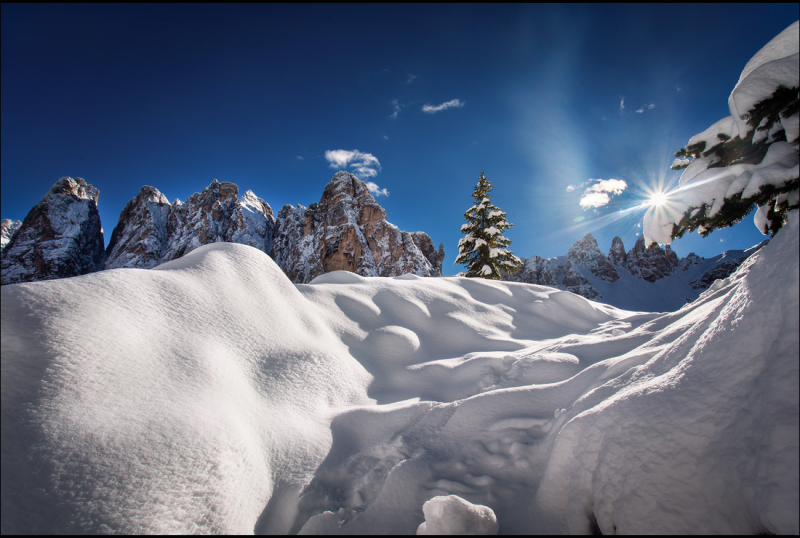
(212, 395)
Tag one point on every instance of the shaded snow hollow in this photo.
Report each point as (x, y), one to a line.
(211, 395)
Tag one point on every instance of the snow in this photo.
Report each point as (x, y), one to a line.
(212, 395)
(450, 514)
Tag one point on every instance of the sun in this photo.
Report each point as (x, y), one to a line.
(657, 199)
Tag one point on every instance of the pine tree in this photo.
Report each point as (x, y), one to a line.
(484, 249)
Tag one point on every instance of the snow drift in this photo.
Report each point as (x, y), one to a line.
(212, 395)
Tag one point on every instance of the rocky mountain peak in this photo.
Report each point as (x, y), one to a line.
(75, 187)
(616, 254)
(650, 264)
(347, 230)
(140, 236)
(586, 253)
(60, 237)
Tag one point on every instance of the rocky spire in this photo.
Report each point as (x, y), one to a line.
(140, 236)
(586, 253)
(60, 237)
(650, 264)
(347, 230)
(616, 254)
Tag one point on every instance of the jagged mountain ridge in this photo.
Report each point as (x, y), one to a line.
(346, 230)
(640, 279)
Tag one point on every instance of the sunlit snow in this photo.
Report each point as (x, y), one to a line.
(210, 395)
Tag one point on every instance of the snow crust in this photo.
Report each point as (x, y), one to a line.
(212, 395)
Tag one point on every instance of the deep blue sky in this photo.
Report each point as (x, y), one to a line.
(176, 95)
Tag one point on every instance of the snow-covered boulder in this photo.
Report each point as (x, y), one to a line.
(452, 515)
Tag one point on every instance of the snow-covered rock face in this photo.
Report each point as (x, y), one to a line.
(140, 237)
(60, 237)
(650, 264)
(347, 231)
(217, 215)
(7, 229)
(616, 255)
(151, 231)
(587, 254)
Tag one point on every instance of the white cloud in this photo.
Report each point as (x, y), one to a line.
(299, 157)
(455, 103)
(385, 137)
(649, 106)
(375, 190)
(411, 78)
(396, 106)
(621, 103)
(362, 165)
(600, 193)
(570, 188)
(594, 199)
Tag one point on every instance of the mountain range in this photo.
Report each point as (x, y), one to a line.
(346, 230)
(642, 279)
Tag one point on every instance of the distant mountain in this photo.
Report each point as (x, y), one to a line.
(347, 230)
(60, 237)
(642, 279)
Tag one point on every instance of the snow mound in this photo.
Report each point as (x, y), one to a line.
(212, 395)
(450, 514)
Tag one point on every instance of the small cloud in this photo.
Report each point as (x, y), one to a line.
(621, 103)
(570, 188)
(600, 193)
(455, 103)
(410, 78)
(299, 157)
(396, 106)
(649, 106)
(375, 190)
(678, 88)
(385, 137)
(578, 219)
(362, 164)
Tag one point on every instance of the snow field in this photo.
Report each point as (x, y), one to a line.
(212, 395)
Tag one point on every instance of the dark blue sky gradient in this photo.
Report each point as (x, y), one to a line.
(176, 95)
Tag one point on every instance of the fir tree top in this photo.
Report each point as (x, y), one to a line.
(483, 249)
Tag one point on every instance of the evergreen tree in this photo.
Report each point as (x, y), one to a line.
(484, 249)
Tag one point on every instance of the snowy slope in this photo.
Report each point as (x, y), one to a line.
(205, 395)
